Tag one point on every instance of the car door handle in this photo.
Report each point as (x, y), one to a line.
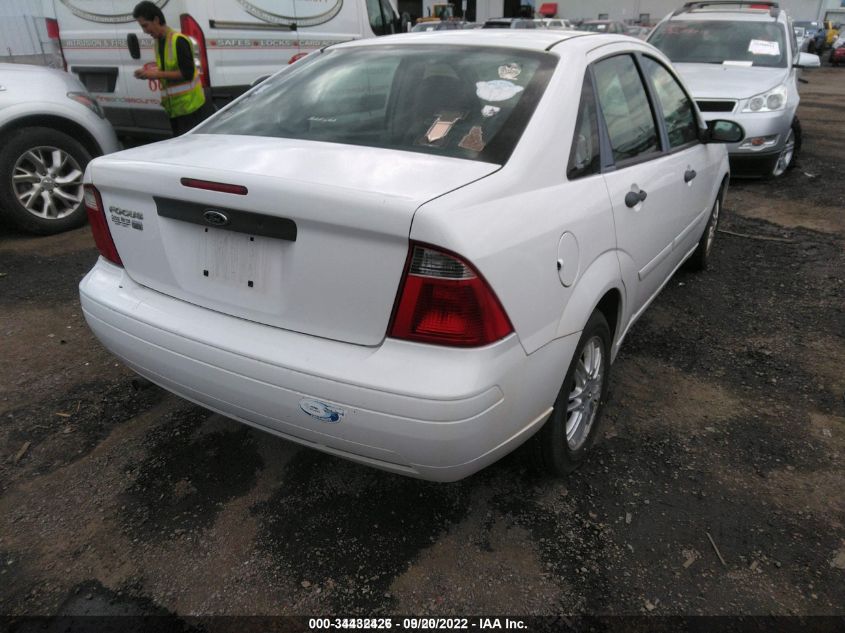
(633, 198)
(689, 175)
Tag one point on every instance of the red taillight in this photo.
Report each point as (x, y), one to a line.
(52, 28)
(190, 27)
(296, 57)
(54, 34)
(443, 300)
(210, 185)
(99, 225)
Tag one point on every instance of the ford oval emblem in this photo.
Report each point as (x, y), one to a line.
(321, 410)
(215, 217)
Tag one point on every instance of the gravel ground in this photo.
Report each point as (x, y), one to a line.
(716, 487)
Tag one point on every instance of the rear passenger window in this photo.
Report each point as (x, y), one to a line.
(623, 101)
(584, 157)
(681, 122)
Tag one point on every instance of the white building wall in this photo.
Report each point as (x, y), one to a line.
(486, 9)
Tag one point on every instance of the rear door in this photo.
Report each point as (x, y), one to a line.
(639, 177)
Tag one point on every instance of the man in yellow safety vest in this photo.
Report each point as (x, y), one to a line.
(182, 95)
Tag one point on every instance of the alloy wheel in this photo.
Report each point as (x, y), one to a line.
(47, 182)
(711, 230)
(585, 397)
(785, 158)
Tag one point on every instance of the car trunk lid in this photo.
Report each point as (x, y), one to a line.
(317, 244)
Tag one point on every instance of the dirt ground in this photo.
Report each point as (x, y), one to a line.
(726, 422)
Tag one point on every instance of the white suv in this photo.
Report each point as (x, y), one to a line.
(740, 60)
(51, 127)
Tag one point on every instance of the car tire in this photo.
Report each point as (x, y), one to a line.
(789, 154)
(41, 180)
(563, 443)
(700, 258)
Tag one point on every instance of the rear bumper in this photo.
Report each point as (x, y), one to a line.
(434, 413)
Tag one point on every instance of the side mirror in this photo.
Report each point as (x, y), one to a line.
(133, 46)
(808, 60)
(722, 131)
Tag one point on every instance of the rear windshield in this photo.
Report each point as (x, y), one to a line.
(464, 102)
(716, 41)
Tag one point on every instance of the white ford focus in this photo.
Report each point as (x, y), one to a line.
(414, 252)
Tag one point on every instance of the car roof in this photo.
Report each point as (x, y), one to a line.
(531, 40)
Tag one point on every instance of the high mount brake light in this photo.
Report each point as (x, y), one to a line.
(445, 301)
(210, 185)
(191, 28)
(99, 225)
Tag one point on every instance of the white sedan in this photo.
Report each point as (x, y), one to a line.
(414, 252)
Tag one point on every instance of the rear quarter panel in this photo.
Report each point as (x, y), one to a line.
(509, 224)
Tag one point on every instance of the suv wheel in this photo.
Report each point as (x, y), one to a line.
(41, 180)
(789, 153)
(565, 439)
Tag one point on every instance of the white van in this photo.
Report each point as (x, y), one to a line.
(236, 42)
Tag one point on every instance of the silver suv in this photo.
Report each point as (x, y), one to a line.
(51, 127)
(740, 62)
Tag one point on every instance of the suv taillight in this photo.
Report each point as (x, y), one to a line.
(191, 28)
(443, 300)
(54, 34)
(99, 225)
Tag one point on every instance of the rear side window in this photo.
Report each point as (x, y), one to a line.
(464, 102)
(585, 156)
(678, 112)
(624, 104)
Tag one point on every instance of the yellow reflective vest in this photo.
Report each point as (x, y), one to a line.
(178, 97)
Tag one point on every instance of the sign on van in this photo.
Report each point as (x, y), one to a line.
(281, 12)
(103, 18)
